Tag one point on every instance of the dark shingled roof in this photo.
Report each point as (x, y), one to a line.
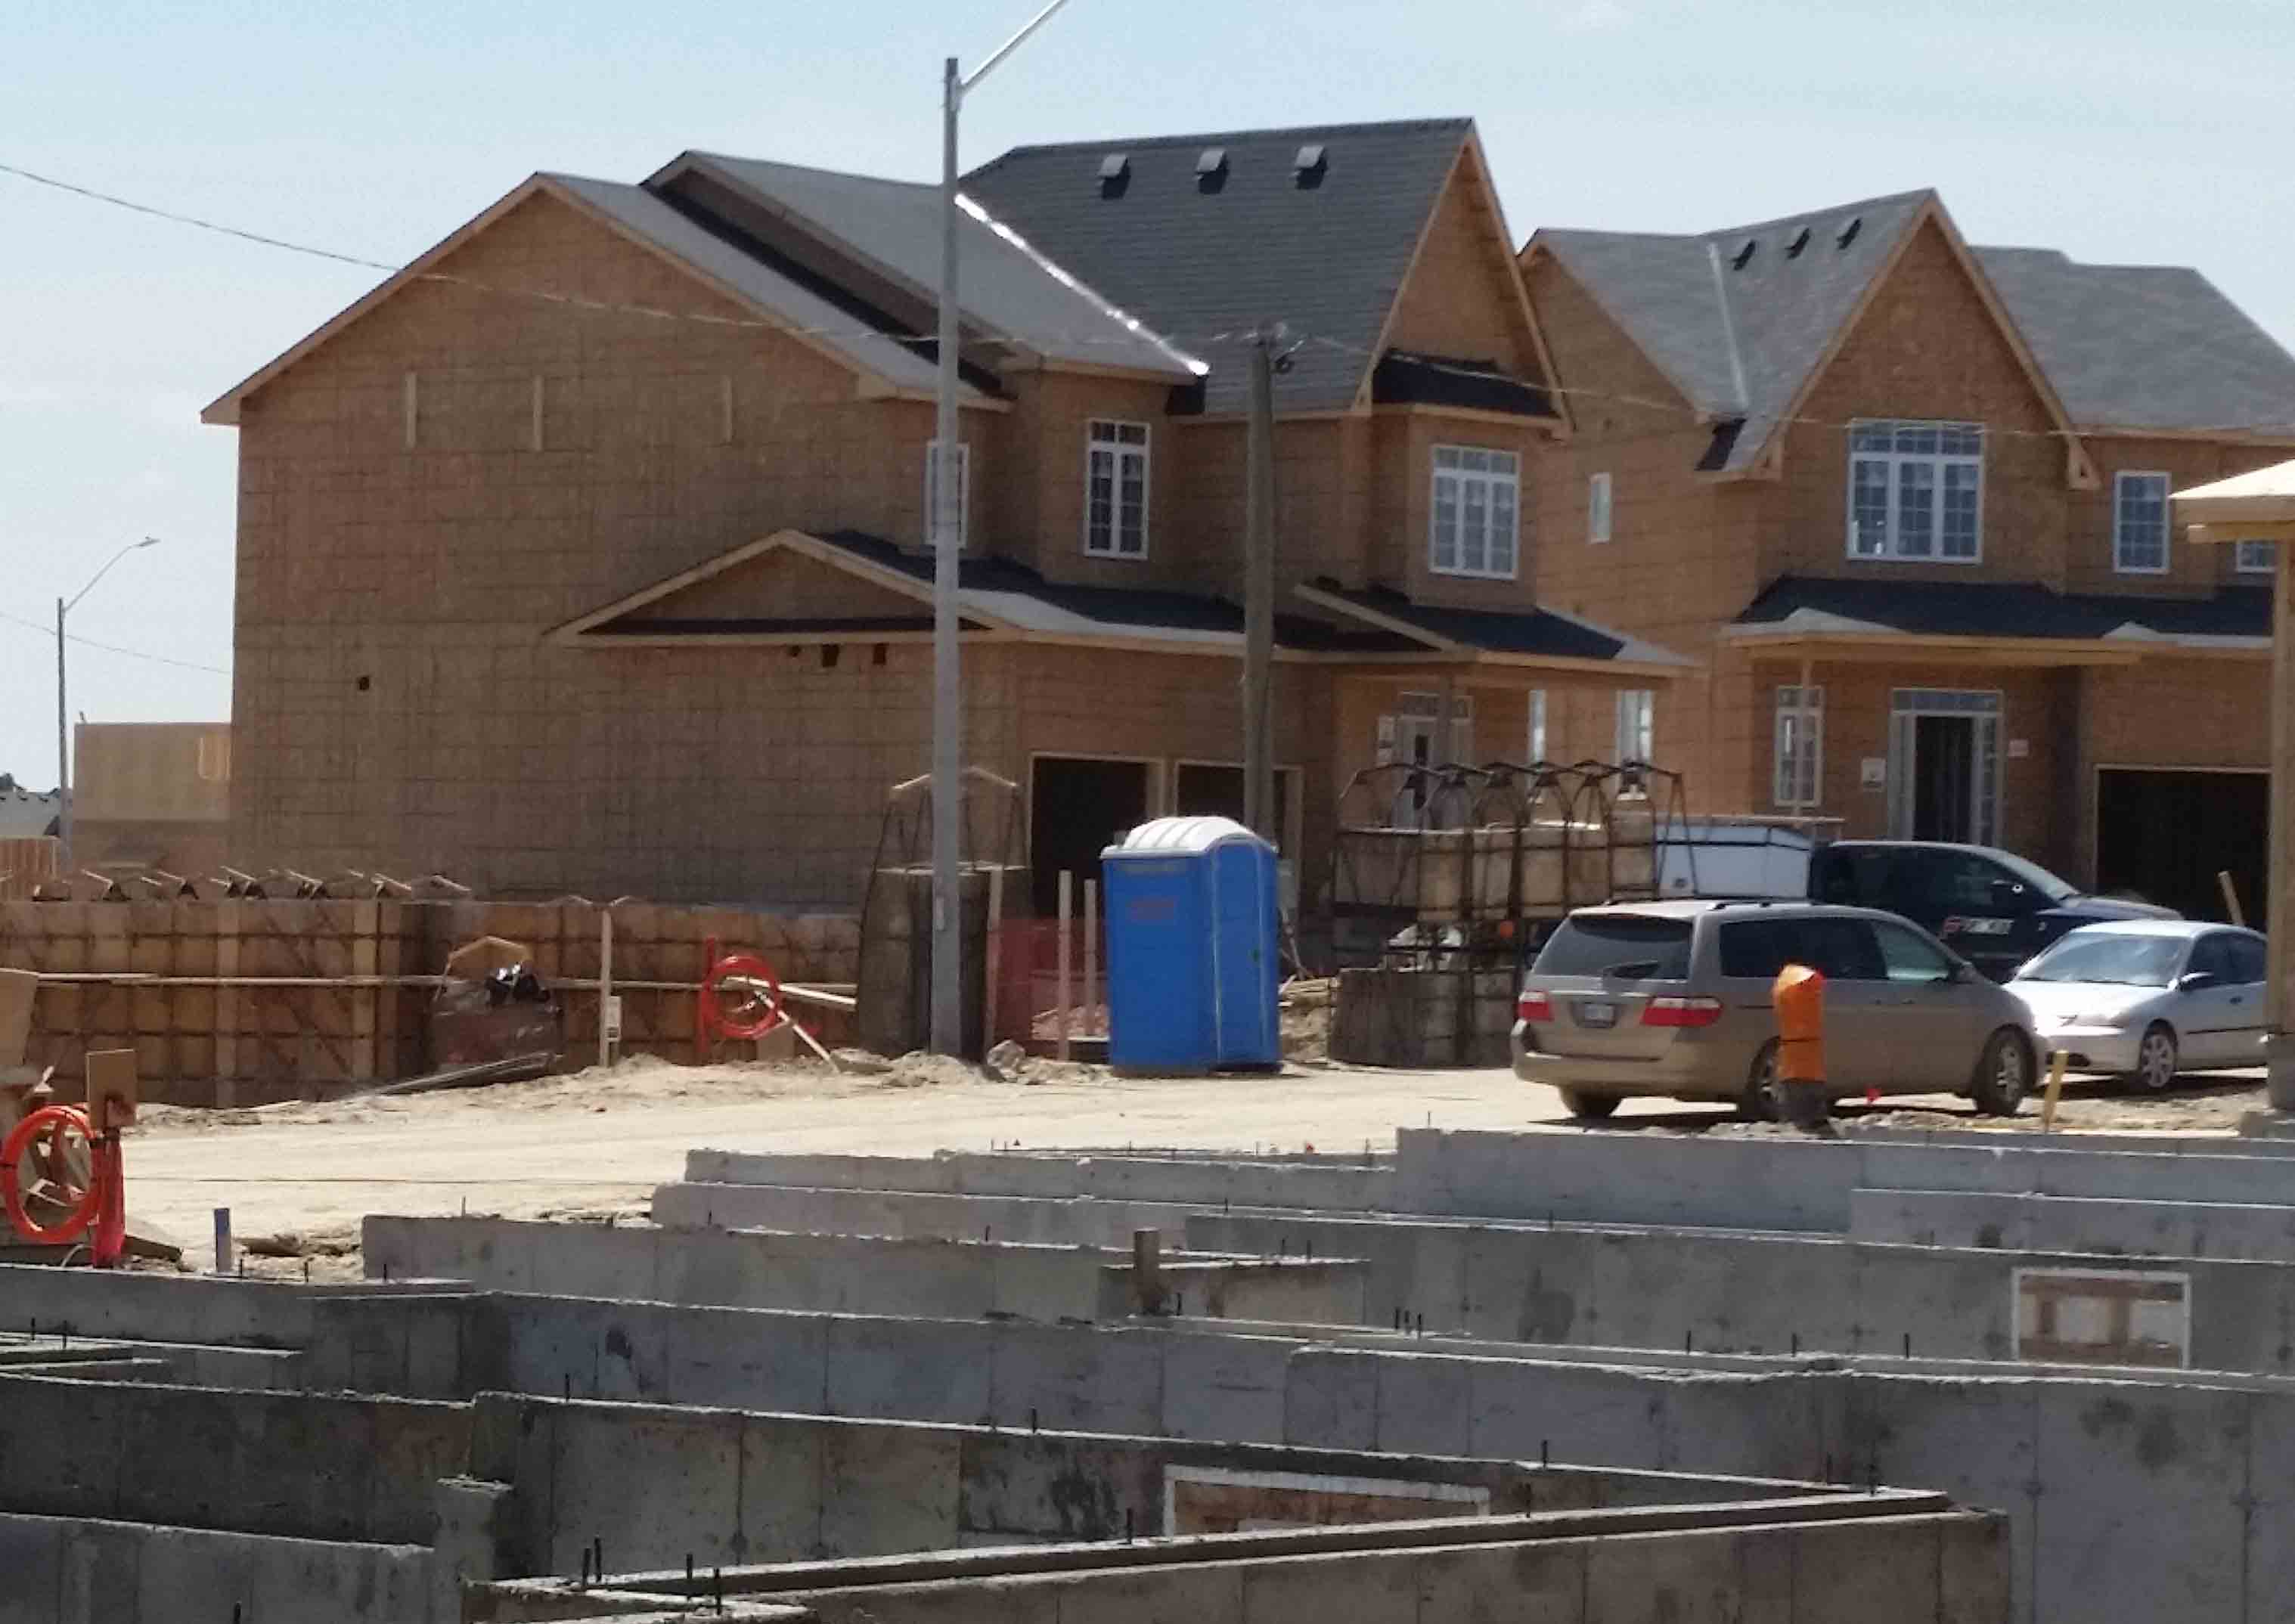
(2144, 347)
(1532, 631)
(1982, 609)
(1204, 260)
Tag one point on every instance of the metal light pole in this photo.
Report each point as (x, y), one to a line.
(63, 737)
(947, 462)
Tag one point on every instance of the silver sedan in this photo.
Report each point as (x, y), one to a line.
(2146, 999)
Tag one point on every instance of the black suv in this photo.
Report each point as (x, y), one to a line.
(1992, 907)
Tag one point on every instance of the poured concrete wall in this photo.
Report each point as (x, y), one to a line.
(2083, 1465)
(932, 1278)
(298, 1466)
(73, 1570)
(1332, 1183)
(1043, 1221)
(2074, 1223)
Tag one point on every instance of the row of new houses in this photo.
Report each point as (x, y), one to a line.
(587, 553)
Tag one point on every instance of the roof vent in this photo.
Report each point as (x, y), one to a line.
(1211, 169)
(1312, 164)
(1800, 242)
(1744, 257)
(1114, 174)
(1849, 232)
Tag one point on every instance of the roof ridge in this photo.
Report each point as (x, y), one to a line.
(777, 163)
(1282, 132)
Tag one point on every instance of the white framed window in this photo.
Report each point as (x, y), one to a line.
(1916, 491)
(1800, 746)
(1636, 739)
(1598, 509)
(2139, 524)
(963, 492)
(2255, 557)
(1477, 495)
(1115, 489)
(1536, 733)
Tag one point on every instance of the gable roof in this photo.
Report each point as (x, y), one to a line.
(2145, 346)
(894, 228)
(1205, 259)
(774, 299)
(1800, 606)
(1744, 320)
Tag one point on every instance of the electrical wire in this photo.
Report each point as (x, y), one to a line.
(132, 653)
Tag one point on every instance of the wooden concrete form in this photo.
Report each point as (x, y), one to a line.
(231, 1002)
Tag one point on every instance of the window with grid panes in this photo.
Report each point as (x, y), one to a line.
(2255, 557)
(2139, 524)
(1636, 739)
(1477, 495)
(1115, 489)
(1800, 746)
(1916, 490)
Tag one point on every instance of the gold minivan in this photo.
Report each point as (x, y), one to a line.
(1671, 1000)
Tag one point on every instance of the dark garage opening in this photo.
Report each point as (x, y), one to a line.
(1076, 810)
(2163, 836)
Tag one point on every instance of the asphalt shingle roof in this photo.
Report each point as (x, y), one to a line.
(1545, 632)
(2144, 347)
(896, 226)
(1739, 340)
(1983, 609)
(1205, 263)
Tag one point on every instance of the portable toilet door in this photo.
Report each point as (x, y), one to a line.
(1247, 953)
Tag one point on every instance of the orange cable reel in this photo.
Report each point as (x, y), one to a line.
(84, 1204)
(741, 1013)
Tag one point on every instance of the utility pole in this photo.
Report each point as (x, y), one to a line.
(1259, 809)
(63, 733)
(947, 462)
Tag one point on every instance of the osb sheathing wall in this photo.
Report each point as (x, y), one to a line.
(336, 1013)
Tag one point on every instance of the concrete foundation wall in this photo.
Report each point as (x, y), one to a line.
(1043, 1221)
(1329, 1184)
(298, 1466)
(932, 1278)
(2075, 1223)
(73, 1570)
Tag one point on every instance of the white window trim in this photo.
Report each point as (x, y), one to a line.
(1787, 794)
(1644, 703)
(2120, 567)
(1434, 476)
(963, 494)
(1115, 495)
(1534, 736)
(1936, 555)
(2239, 555)
(1599, 512)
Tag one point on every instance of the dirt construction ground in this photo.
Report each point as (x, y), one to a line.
(600, 1141)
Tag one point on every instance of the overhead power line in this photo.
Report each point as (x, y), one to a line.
(132, 653)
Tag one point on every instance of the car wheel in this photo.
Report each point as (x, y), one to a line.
(2156, 1060)
(1587, 1108)
(2004, 1073)
(1763, 1100)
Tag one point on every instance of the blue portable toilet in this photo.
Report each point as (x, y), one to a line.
(1192, 948)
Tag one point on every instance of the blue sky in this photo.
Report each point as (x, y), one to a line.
(2113, 130)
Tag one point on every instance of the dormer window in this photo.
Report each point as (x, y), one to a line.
(1916, 491)
(1115, 489)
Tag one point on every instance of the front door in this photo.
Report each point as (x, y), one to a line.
(1944, 765)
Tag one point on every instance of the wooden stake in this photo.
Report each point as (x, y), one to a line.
(605, 985)
(1090, 957)
(994, 957)
(2231, 896)
(2057, 1061)
(1067, 902)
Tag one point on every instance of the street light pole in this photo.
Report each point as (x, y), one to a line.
(63, 735)
(947, 462)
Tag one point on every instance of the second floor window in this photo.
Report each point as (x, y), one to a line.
(1916, 491)
(1476, 495)
(1115, 489)
(1597, 509)
(2139, 524)
(2255, 557)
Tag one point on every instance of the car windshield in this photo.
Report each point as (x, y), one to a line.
(1624, 946)
(2049, 885)
(2117, 958)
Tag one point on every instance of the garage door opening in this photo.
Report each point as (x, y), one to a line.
(1077, 808)
(1215, 790)
(2163, 835)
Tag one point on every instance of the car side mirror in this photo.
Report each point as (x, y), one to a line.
(2197, 981)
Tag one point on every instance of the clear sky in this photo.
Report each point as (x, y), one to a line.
(2115, 130)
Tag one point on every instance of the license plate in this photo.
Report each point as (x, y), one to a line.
(1591, 1013)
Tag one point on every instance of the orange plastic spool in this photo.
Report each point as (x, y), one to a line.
(56, 1120)
(756, 1023)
